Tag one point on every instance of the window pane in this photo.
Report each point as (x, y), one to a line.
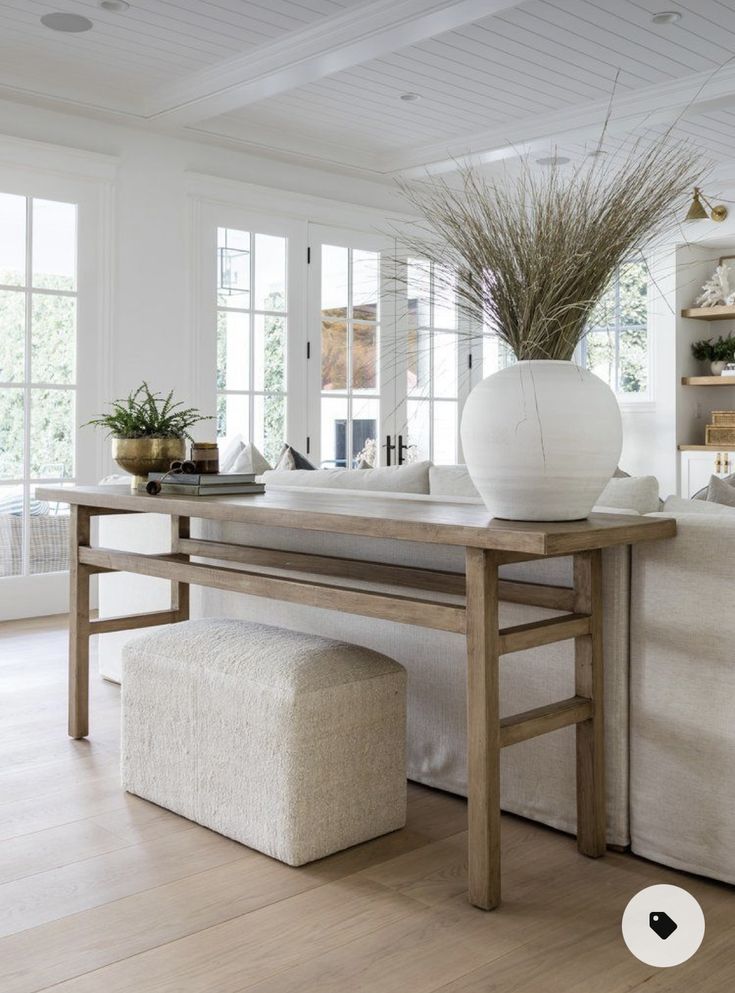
(445, 364)
(419, 293)
(11, 529)
(418, 362)
(365, 285)
(364, 356)
(12, 336)
(633, 294)
(233, 350)
(269, 429)
(54, 245)
(495, 355)
(53, 339)
(11, 434)
(365, 419)
(633, 361)
(270, 273)
(334, 431)
(445, 298)
(269, 359)
(334, 281)
(49, 536)
(334, 355)
(12, 240)
(233, 268)
(603, 314)
(601, 355)
(419, 427)
(52, 434)
(233, 416)
(445, 433)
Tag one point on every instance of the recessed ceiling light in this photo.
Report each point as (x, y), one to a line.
(70, 23)
(410, 97)
(666, 17)
(114, 5)
(552, 160)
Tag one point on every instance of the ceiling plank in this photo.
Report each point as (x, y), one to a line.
(651, 104)
(328, 46)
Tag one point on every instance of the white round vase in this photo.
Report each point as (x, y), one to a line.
(541, 439)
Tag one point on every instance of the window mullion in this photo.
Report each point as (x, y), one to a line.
(27, 374)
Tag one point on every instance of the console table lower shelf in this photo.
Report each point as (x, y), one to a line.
(488, 544)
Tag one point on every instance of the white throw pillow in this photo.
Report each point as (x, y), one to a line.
(229, 454)
(679, 505)
(250, 459)
(631, 493)
(412, 478)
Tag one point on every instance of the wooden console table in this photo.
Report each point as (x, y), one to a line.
(488, 543)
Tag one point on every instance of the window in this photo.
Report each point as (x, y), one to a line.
(252, 314)
(432, 371)
(38, 340)
(350, 353)
(616, 347)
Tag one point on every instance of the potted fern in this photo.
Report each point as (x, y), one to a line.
(148, 431)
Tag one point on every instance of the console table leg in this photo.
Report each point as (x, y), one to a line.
(180, 528)
(589, 682)
(79, 534)
(483, 728)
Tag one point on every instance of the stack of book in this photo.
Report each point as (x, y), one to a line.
(209, 484)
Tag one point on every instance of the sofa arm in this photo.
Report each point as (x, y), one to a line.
(683, 698)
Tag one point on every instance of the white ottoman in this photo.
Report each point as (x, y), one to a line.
(287, 742)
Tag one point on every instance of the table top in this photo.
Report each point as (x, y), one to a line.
(378, 515)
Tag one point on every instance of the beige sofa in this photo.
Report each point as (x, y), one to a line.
(537, 776)
(682, 693)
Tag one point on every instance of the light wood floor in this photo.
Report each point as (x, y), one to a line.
(101, 892)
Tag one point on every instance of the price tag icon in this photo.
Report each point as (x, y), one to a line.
(661, 924)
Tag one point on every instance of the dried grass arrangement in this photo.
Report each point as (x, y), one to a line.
(536, 250)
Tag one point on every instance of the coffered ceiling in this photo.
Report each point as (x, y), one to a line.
(323, 81)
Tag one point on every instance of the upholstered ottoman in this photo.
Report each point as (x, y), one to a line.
(287, 742)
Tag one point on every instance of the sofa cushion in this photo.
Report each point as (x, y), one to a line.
(638, 493)
(451, 481)
(250, 459)
(412, 478)
(678, 505)
(290, 460)
(720, 491)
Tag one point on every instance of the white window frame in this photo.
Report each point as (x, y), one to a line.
(636, 400)
(210, 217)
(47, 172)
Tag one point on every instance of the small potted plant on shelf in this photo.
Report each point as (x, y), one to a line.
(718, 353)
(148, 431)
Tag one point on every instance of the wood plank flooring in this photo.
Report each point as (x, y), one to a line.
(101, 891)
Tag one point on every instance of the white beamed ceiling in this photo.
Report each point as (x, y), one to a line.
(535, 75)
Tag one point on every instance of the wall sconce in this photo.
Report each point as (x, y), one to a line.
(697, 211)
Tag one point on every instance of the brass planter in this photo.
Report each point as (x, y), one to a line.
(139, 456)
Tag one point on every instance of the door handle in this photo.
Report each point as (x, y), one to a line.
(401, 449)
(389, 447)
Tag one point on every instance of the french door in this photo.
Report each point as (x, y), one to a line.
(390, 354)
(50, 319)
(352, 384)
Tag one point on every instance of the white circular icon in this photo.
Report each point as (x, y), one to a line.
(663, 925)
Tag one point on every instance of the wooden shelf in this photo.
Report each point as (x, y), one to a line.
(706, 448)
(709, 313)
(708, 380)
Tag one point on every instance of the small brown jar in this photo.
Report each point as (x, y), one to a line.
(205, 455)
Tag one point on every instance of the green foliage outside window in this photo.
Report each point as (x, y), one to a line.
(53, 338)
(616, 345)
